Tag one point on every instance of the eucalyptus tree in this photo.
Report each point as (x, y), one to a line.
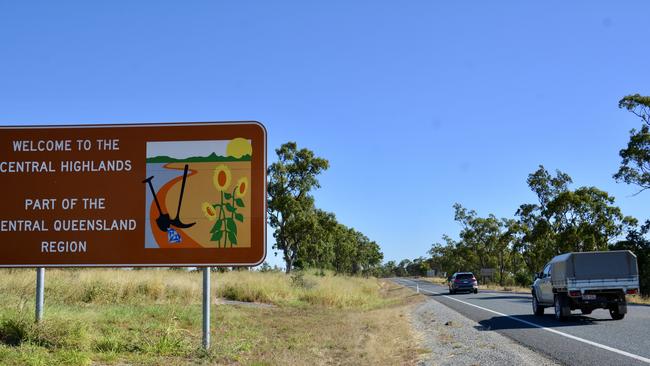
(566, 220)
(368, 255)
(317, 250)
(635, 169)
(483, 236)
(290, 205)
(637, 242)
(452, 256)
(635, 164)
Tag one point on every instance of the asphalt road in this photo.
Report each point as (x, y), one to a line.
(584, 340)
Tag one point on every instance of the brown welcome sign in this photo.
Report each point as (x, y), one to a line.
(176, 194)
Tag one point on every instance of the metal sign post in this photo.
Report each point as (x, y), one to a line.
(206, 308)
(40, 289)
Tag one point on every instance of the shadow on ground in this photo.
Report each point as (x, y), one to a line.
(546, 321)
(525, 299)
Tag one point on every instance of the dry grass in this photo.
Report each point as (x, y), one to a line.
(107, 286)
(638, 299)
(380, 336)
(508, 288)
(435, 280)
(341, 292)
(153, 317)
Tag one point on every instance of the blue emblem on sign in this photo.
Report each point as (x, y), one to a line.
(173, 236)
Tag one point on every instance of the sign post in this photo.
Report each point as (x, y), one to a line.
(206, 308)
(40, 292)
(172, 194)
(487, 273)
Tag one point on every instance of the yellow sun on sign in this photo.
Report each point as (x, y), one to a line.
(239, 147)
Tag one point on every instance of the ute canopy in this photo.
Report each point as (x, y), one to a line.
(594, 265)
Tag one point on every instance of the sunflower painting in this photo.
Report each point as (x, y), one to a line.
(198, 194)
(224, 231)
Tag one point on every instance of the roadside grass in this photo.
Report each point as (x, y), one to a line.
(153, 317)
(638, 299)
(435, 280)
(106, 286)
(506, 288)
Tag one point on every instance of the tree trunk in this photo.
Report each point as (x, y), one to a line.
(289, 263)
(501, 269)
(288, 260)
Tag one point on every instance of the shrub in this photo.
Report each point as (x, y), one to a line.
(60, 333)
(13, 332)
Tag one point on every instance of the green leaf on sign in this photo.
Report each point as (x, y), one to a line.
(217, 236)
(232, 237)
(217, 226)
(230, 208)
(239, 217)
(227, 196)
(230, 224)
(239, 202)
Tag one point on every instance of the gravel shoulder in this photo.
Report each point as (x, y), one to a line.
(454, 339)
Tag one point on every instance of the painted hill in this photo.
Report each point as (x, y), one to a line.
(212, 158)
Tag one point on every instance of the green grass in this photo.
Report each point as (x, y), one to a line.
(153, 317)
(70, 335)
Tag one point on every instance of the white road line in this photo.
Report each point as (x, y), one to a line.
(602, 346)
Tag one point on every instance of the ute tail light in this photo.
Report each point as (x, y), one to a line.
(632, 291)
(575, 293)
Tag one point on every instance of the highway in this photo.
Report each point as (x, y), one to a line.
(584, 340)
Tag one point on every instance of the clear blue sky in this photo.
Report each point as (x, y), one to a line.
(417, 104)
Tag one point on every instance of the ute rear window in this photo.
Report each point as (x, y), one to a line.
(465, 276)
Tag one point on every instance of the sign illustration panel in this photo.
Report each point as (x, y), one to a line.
(133, 195)
(207, 182)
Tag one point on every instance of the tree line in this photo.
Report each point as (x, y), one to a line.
(306, 236)
(562, 219)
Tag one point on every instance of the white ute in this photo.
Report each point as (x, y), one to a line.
(586, 281)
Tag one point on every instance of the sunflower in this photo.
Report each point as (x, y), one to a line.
(209, 211)
(221, 178)
(242, 187)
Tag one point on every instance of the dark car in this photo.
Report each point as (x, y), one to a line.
(463, 281)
